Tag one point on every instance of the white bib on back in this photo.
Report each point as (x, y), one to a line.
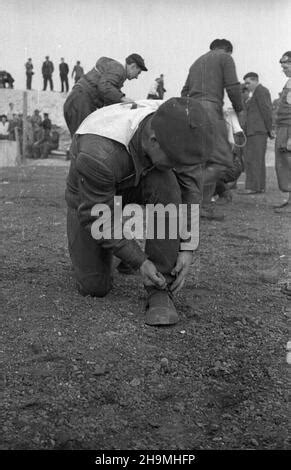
(118, 121)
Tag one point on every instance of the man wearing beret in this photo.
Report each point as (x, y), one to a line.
(153, 154)
(283, 136)
(100, 87)
(208, 76)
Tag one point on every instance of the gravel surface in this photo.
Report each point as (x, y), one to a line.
(85, 373)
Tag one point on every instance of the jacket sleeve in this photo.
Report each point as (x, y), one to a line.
(231, 83)
(264, 103)
(96, 186)
(109, 85)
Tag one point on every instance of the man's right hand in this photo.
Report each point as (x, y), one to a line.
(151, 276)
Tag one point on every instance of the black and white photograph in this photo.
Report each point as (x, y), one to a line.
(145, 180)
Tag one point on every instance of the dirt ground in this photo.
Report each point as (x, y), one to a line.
(86, 373)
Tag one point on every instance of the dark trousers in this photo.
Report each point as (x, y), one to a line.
(28, 81)
(255, 166)
(221, 157)
(92, 264)
(283, 158)
(64, 81)
(48, 79)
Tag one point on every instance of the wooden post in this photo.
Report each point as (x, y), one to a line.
(18, 149)
(24, 125)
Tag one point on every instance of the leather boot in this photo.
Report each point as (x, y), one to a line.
(161, 310)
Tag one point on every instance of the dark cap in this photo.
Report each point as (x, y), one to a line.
(286, 58)
(138, 60)
(183, 130)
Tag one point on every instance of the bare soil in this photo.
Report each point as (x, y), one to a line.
(87, 373)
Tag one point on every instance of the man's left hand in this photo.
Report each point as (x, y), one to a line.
(181, 270)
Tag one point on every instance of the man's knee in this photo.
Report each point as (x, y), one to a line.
(213, 173)
(94, 286)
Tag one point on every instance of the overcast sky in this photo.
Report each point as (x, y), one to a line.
(169, 34)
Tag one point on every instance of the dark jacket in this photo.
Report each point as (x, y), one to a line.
(259, 112)
(97, 88)
(104, 82)
(29, 68)
(64, 69)
(46, 124)
(47, 68)
(210, 75)
(100, 167)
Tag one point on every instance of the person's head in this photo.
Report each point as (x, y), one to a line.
(134, 64)
(223, 44)
(62, 59)
(251, 81)
(45, 115)
(178, 134)
(3, 118)
(285, 62)
(78, 62)
(36, 111)
(47, 57)
(11, 106)
(30, 59)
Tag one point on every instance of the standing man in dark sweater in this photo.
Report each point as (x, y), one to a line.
(258, 129)
(208, 77)
(64, 70)
(47, 71)
(100, 87)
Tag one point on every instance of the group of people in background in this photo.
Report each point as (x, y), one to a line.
(41, 135)
(47, 71)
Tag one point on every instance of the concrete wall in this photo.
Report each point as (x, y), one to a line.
(8, 153)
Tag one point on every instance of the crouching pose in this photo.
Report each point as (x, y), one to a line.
(154, 154)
